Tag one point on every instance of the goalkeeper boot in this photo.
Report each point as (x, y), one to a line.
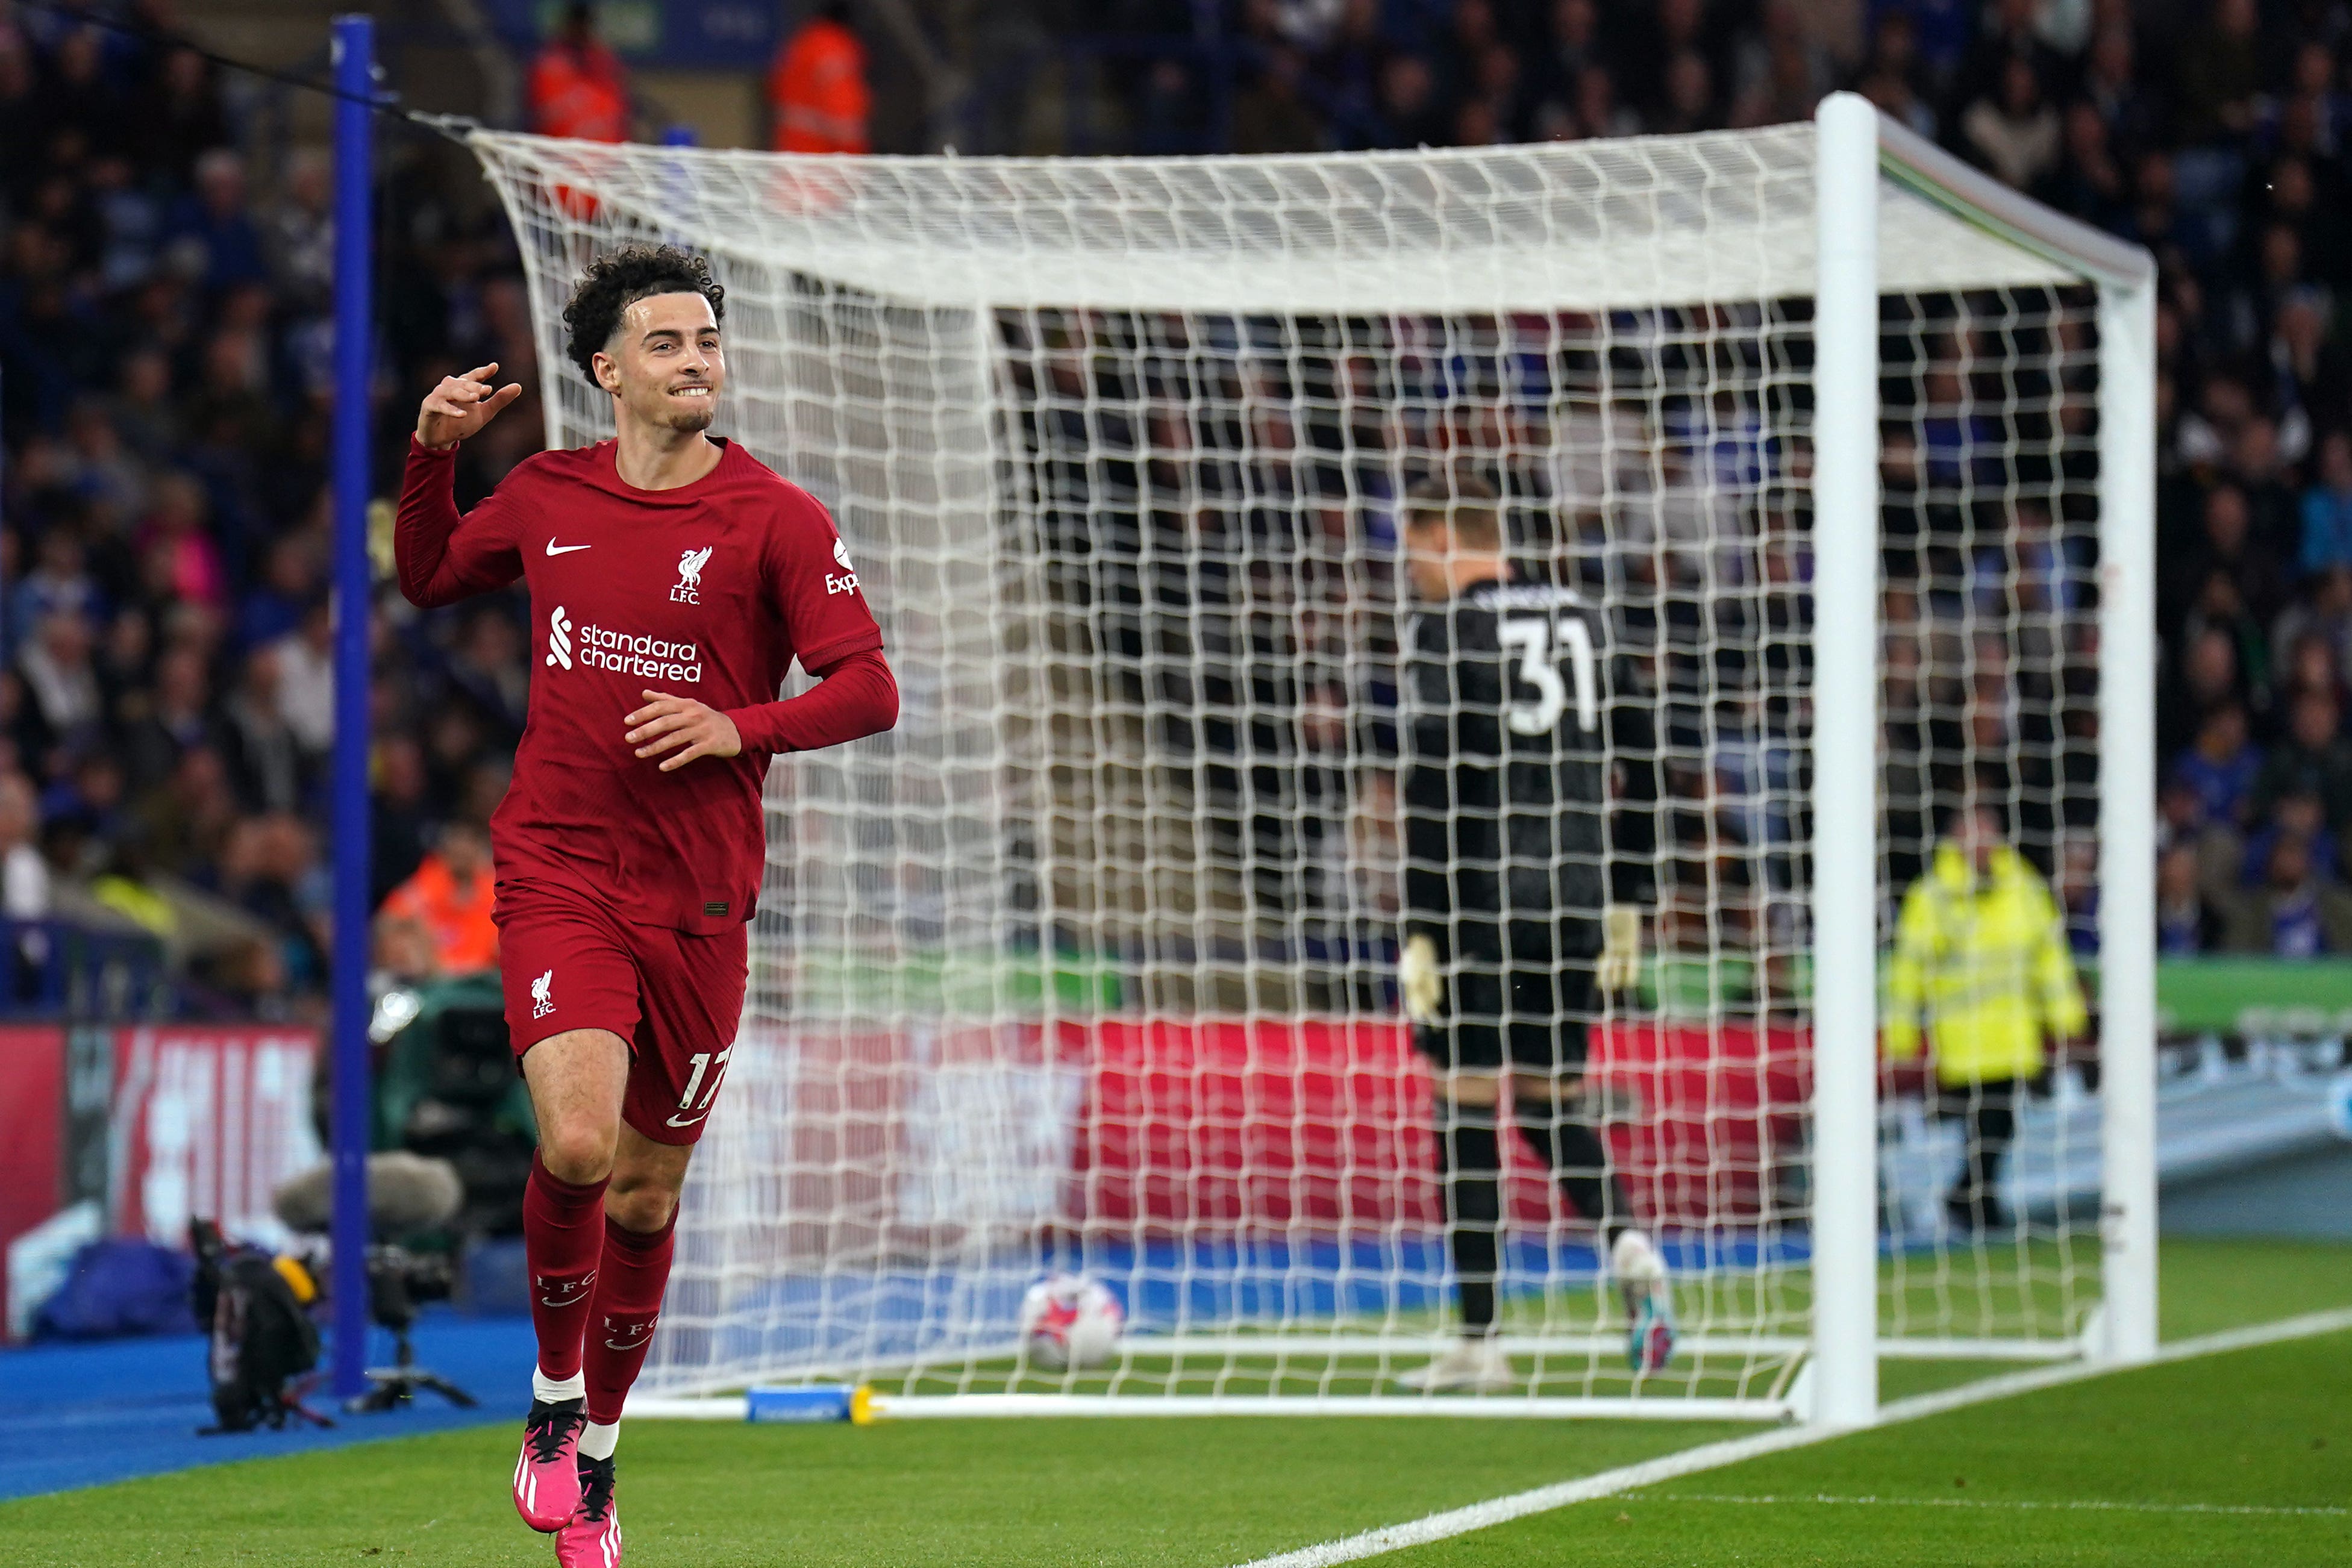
(547, 1476)
(591, 1538)
(1473, 1365)
(1640, 1276)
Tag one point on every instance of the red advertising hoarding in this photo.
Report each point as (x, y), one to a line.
(1282, 1123)
(207, 1121)
(886, 1137)
(32, 1131)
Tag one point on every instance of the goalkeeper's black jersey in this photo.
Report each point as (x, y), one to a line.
(1506, 774)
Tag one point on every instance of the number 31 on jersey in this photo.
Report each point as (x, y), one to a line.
(1531, 636)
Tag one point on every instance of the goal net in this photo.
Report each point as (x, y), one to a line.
(1090, 966)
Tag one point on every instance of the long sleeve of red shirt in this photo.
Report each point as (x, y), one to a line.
(854, 698)
(444, 556)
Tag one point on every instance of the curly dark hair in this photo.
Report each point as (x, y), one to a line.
(618, 279)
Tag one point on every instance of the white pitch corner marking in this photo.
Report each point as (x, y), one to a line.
(1714, 1455)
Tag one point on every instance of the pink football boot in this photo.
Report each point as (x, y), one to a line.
(592, 1537)
(547, 1476)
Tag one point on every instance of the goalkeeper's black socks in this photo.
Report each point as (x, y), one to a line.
(1569, 1148)
(1470, 1176)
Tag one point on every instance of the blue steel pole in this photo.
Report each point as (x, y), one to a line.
(354, 183)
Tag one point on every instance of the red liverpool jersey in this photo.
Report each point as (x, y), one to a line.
(710, 592)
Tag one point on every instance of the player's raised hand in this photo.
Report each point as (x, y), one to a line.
(461, 405)
(666, 723)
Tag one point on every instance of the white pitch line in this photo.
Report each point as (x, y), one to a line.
(2008, 1383)
(2083, 1505)
(1732, 1451)
(1542, 1500)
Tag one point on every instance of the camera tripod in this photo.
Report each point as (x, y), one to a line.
(392, 1302)
(393, 1387)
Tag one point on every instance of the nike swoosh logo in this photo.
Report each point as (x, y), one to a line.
(554, 549)
(616, 1344)
(687, 1120)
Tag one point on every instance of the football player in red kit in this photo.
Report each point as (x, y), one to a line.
(673, 581)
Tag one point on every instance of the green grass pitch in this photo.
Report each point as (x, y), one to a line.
(2238, 1458)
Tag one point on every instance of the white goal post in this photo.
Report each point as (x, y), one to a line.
(1089, 966)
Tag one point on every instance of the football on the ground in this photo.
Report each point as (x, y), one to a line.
(1069, 1321)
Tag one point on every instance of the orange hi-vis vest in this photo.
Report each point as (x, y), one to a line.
(817, 89)
(465, 938)
(580, 92)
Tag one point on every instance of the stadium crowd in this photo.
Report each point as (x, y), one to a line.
(165, 685)
(2212, 132)
(165, 696)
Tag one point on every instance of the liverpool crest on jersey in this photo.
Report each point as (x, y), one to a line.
(689, 576)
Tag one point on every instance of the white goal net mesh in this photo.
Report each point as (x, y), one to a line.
(1091, 965)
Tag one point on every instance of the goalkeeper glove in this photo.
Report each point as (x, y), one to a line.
(1418, 978)
(1618, 967)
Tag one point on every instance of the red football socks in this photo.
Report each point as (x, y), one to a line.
(627, 1305)
(563, 1237)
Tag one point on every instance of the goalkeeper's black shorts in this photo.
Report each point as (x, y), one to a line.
(1526, 1003)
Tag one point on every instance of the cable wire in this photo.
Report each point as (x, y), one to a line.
(456, 127)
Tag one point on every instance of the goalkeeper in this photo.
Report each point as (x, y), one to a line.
(1506, 941)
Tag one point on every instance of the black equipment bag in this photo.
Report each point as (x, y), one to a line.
(262, 1339)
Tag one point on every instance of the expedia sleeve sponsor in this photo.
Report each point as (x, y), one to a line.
(648, 658)
(846, 581)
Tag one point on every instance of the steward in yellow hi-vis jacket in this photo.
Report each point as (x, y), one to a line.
(1980, 965)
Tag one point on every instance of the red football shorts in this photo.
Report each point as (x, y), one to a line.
(569, 962)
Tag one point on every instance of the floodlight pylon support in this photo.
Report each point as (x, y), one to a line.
(354, 67)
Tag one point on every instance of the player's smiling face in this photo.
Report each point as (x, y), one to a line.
(665, 364)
